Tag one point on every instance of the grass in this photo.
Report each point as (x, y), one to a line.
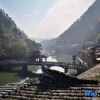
(8, 77)
(33, 68)
(14, 75)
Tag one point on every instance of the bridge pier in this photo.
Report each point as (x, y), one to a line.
(24, 68)
(66, 70)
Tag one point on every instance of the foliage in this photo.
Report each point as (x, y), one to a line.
(13, 41)
(13, 44)
(17, 50)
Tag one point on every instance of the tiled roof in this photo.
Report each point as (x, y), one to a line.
(36, 89)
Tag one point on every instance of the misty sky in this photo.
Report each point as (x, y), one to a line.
(45, 18)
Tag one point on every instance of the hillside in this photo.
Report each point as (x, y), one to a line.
(48, 44)
(13, 41)
(85, 29)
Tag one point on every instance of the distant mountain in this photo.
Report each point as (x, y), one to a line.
(39, 39)
(48, 44)
(85, 29)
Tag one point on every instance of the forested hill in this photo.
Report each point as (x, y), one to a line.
(13, 41)
(85, 29)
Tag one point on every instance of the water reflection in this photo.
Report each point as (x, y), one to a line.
(70, 71)
(48, 59)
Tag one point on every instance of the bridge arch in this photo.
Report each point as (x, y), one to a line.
(58, 68)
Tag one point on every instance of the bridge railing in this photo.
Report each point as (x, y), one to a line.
(42, 63)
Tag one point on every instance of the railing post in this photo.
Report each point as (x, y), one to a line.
(74, 60)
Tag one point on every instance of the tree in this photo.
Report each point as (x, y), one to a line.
(17, 50)
(13, 41)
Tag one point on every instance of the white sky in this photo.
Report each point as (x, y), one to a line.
(44, 18)
(61, 16)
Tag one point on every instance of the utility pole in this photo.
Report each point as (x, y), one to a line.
(74, 60)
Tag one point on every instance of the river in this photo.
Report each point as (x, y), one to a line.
(54, 67)
(39, 71)
(70, 71)
(48, 59)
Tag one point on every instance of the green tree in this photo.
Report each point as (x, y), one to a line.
(17, 50)
(13, 41)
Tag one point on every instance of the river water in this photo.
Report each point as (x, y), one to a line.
(48, 59)
(70, 71)
(54, 67)
(39, 71)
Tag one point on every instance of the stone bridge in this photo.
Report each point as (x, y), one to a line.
(39, 63)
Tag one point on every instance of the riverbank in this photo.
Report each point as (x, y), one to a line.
(16, 75)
